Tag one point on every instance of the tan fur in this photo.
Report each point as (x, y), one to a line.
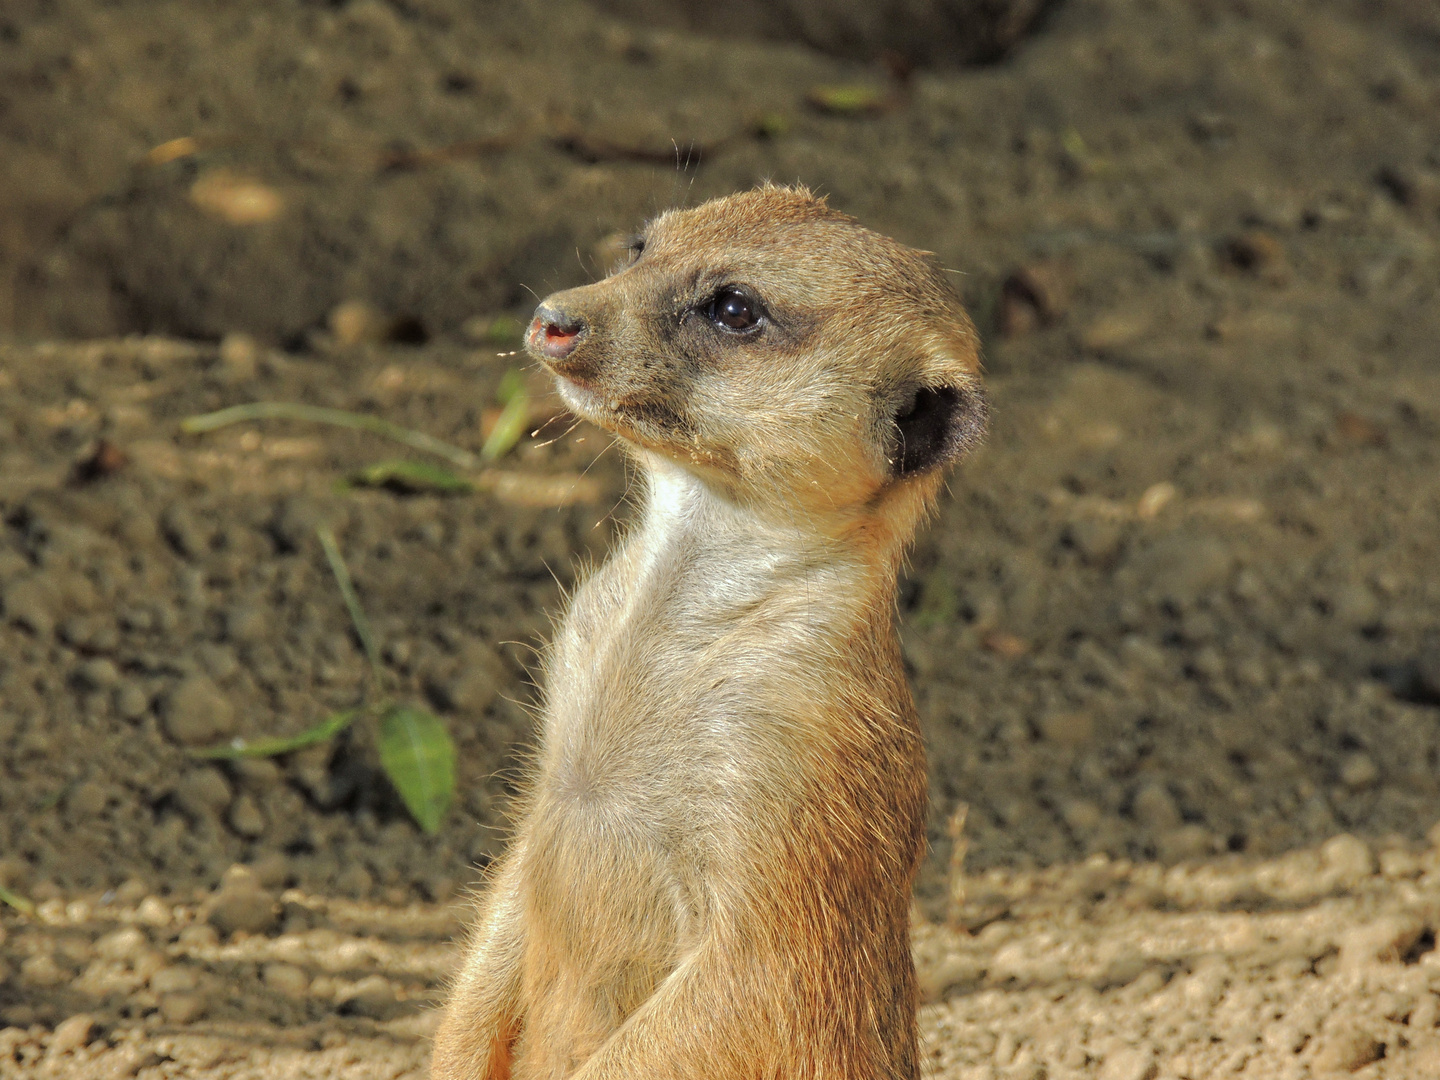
(712, 870)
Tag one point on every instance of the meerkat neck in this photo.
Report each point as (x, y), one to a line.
(749, 551)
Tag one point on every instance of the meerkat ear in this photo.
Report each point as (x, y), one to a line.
(936, 425)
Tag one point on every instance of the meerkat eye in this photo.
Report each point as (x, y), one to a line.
(734, 310)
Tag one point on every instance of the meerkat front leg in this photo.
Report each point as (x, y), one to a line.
(477, 1037)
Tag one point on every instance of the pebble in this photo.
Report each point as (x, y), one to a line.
(182, 1008)
(131, 702)
(72, 1034)
(246, 818)
(1346, 1051)
(238, 356)
(124, 944)
(286, 979)
(1386, 939)
(195, 712)
(31, 603)
(372, 996)
(1155, 808)
(41, 972)
(1358, 771)
(203, 792)
(1130, 1063)
(175, 979)
(242, 905)
(1347, 860)
(97, 674)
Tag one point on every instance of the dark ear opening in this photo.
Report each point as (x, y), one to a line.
(936, 426)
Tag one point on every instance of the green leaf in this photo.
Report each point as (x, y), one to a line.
(854, 99)
(18, 902)
(418, 756)
(239, 748)
(412, 477)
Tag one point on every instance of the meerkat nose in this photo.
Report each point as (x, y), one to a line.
(553, 333)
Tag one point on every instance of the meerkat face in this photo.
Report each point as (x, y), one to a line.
(775, 346)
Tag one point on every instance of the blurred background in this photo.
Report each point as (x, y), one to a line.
(1184, 605)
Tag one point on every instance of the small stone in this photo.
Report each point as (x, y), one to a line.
(354, 321)
(40, 972)
(238, 355)
(182, 1008)
(195, 712)
(1155, 808)
(186, 535)
(1130, 1063)
(245, 817)
(242, 905)
(245, 624)
(176, 978)
(131, 702)
(1080, 814)
(72, 1034)
(203, 792)
(1386, 939)
(236, 199)
(271, 871)
(1358, 771)
(355, 881)
(96, 674)
(1346, 1051)
(1347, 860)
(286, 979)
(124, 944)
(260, 775)
(1185, 842)
(131, 891)
(32, 603)
(154, 912)
(372, 996)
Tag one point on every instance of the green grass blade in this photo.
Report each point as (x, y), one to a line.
(288, 410)
(509, 426)
(352, 601)
(328, 728)
(16, 901)
(412, 477)
(418, 756)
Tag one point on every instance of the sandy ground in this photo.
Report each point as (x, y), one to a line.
(1175, 629)
(1318, 964)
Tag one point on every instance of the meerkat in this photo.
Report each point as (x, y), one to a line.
(711, 871)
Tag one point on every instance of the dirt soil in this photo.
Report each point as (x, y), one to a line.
(1175, 632)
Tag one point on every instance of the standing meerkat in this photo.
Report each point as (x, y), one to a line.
(712, 867)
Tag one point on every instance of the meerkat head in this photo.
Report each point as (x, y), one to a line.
(777, 349)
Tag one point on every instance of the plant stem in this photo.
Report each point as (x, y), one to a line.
(287, 410)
